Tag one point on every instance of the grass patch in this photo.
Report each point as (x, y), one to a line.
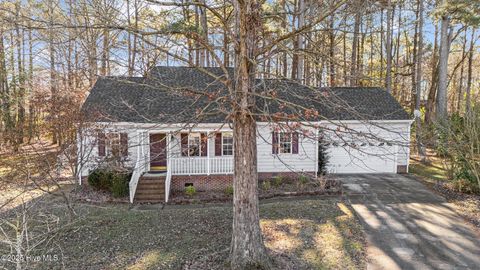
(430, 172)
(319, 234)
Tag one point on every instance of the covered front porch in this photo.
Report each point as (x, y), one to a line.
(162, 155)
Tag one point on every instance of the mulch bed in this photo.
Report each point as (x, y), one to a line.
(86, 193)
(287, 189)
(468, 205)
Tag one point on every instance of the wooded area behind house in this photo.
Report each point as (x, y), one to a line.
(51, 52)
(425, 53)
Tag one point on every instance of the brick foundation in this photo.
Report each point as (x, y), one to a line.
(219, 182)
(402, 169)
(216, 182)
(293, 175)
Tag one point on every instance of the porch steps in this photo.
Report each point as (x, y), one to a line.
(150, 189)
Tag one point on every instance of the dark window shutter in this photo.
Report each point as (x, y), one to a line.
(218, 144)
(124, 144)
(184, 143)
(204, 144)
(294, 143)
(101, 144)
(274, 142)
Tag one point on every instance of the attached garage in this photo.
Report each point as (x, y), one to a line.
(368, 147)
(368, 158)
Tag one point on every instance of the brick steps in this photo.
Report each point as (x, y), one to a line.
(150, 189)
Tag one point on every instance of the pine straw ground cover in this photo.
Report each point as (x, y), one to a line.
(300, 233)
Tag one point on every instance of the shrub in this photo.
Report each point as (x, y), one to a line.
(119, 184)
(110, 180)
(229, 190)
(303, 179)
(99, 179)
(458, 144)
(266, 185)
(277, 181)
(190, 190)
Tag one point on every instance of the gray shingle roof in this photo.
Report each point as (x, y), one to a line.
(189, 95)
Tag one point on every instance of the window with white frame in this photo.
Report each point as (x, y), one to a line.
(194, 144)
(112, 144)
(285, 142)
(227, 144)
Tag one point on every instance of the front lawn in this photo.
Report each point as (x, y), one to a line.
(301, 233)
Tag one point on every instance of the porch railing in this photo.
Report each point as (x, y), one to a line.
(201, 165)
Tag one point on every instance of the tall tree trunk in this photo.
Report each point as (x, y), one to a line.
(20, 125)
(31, 109)
(226, 54)
(283, 25)
(469, 72)
(441, 104)
(381, 46)
(418, 82)
(415, 62)
(301, 40)
(105, 52)
(429, 109)
(371, 52)
(295, 44)
(247, 248)
(458, 105)
(396, 53)
(4, 92)
(361, 52)
(353, 60)
(331, 50)
(53, 79)
(129, 41)
(135, 39)
(204, 53)
(197, 44)
(388, 76)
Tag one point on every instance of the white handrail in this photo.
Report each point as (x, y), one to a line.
(134, 180)
(137, 170)
(168, 180)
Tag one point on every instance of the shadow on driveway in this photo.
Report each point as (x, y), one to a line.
(408, 226)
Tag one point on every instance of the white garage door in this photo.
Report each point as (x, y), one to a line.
(364, 158)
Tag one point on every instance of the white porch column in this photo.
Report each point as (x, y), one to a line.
(169, 148)
(145, 162)
(139, 148)
(208, 152)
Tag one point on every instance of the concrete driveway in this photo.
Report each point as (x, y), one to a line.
(408, 226)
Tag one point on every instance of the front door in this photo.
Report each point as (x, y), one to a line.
(158, 152)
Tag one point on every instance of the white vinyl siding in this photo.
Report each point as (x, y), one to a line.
(304, 161)
(397, 133)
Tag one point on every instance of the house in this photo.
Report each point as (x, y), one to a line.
(172, 128)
